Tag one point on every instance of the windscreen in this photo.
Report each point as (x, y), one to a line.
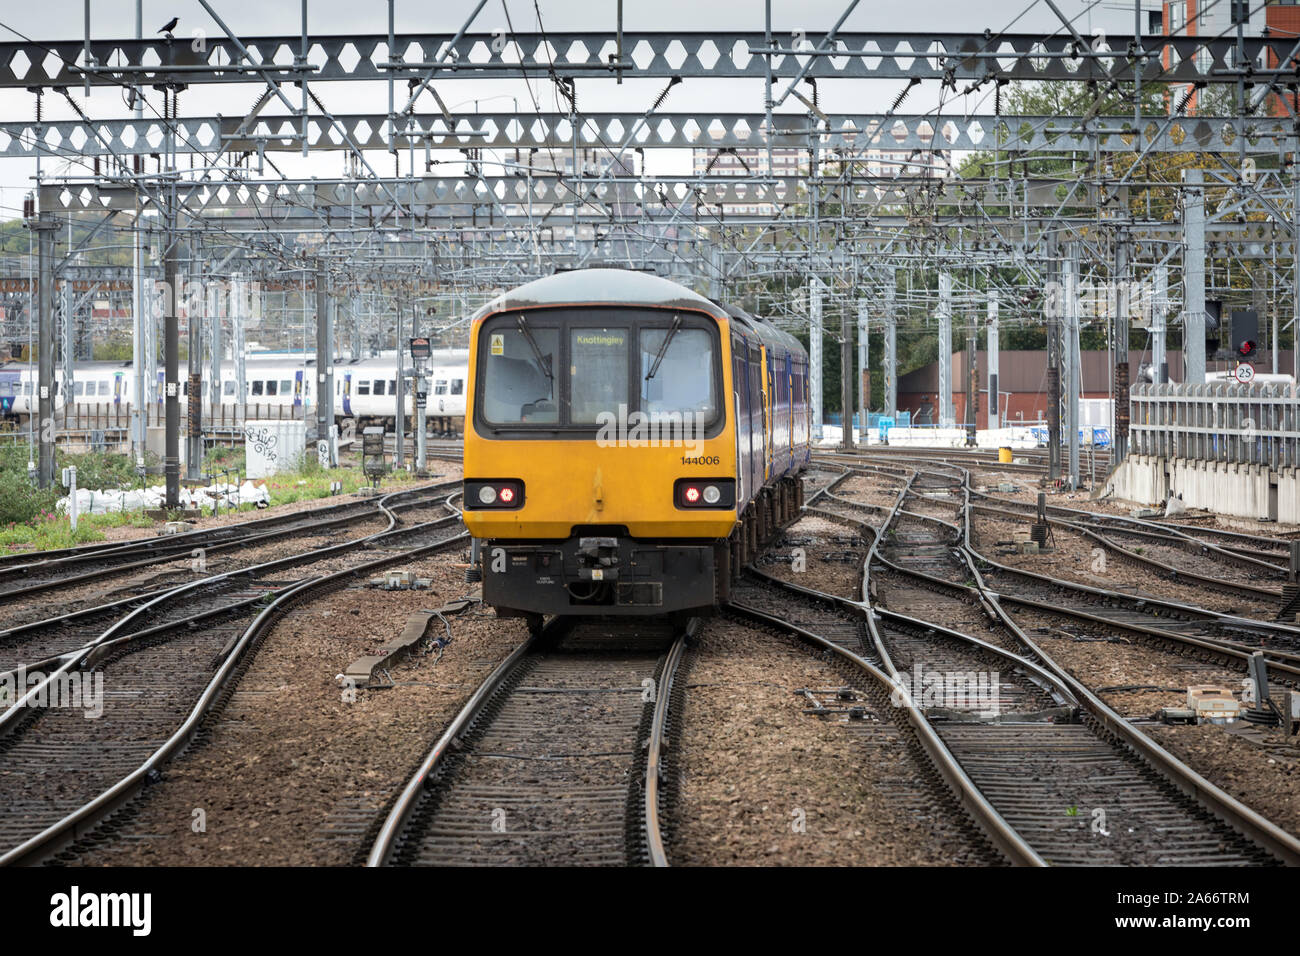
(683, 383)
(602, 362)
(519, 376)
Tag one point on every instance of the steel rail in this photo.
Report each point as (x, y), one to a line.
(1222, 805)
(10, 717)
(84, 820)
(655, 746)
(1003, 836)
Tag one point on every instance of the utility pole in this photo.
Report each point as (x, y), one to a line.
(946, 414)
(846, 377)
(194, 369)
(139, 302)
(1121, 395)
(171, 355)
(399, 451)
(889, 367)
(992, 349)
(972, 381)
(68, 341)
(1159, 310)
(238, 315)
(325, 368)
(1071, 352)
(216, 305)
(1194, 277)
(1295, 252)
(45, 226)
(421, 395)
(815, 355)
(864, 371)
(1055, 305)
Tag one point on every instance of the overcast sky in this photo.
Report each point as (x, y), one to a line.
(62, 20)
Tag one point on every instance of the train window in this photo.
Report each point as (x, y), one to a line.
(683, 383)
(286, 386)
(270, 387)
(597, 373)
(519, 373)
(392, 386)
(79, 388)
(440, 387)
(257, 387)
(103, 388)
(27, 388)
(363, 388)
(227, 388)
(458, 386)
(379, 386)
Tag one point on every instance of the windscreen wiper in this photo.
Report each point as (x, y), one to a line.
(663, 349)
(537, 352)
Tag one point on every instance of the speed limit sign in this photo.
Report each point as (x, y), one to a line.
(1245, 373)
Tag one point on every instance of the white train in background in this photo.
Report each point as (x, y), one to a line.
(365, 390)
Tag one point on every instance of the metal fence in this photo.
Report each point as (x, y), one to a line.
(1251, 424)
(225, 417)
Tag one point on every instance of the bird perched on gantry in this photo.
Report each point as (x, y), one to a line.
(169, 26)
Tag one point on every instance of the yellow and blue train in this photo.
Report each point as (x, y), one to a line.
(628, 445)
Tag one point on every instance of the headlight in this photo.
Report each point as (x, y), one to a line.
(499, 494)
(690, 493)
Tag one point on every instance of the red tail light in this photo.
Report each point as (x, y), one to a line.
(705, 493)
(494, 494)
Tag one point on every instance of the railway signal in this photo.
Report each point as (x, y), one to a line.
(1245, 334)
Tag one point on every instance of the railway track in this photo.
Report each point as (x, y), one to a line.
(1177, 546)
(71, 570)
(43, 643)
(556, 758)
(162, 667)
(1040, 750)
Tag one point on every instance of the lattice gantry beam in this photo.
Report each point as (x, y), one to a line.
(849, 133)
(955, 57)
(616, 197)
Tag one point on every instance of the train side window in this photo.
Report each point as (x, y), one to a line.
(27, 388)
(458, 386)
(440, 387)
(363, 388)
(227, 388)
(286, 386)
(79, 388)
(103, 388)
(379, 386)
(270, 387)
(392, 386)
(257, 387)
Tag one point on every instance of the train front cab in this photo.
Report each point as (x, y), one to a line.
(576, 518)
